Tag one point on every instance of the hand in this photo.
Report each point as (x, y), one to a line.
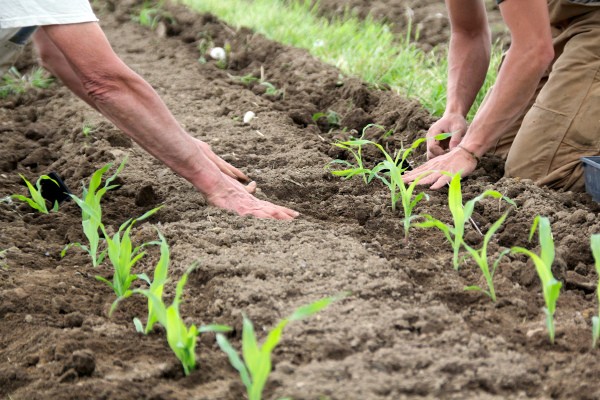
(457, 160)
(223, 165)
(454, 123)
(234, 196)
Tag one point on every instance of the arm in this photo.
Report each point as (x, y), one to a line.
(468, 61)
(96, 74)
(530, 54)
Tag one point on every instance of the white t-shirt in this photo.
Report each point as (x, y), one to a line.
(20, 13)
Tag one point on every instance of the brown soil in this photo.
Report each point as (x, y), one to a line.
(427, 19)
(407, 331)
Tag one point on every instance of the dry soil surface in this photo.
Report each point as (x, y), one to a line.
(408, 330)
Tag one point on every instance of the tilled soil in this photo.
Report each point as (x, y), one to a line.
(408, 330)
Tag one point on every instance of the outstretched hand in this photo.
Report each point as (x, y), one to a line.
(232, 194)
(236, 197)
(457, 160)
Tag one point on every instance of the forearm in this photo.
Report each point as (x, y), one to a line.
(468, 62)
(515, 86)
(133, 106)
(530, 54)
(469, 54)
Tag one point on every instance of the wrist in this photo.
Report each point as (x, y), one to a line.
(473, 155)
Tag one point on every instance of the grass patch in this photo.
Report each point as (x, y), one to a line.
(364, 48)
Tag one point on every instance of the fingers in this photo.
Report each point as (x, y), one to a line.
(271, 211)
(227, 168)
(455, 140)
(442, 181)
(223, 165)
(434, 149)
(251, 187)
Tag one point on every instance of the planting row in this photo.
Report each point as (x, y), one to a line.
(254, 366)
(390, 171)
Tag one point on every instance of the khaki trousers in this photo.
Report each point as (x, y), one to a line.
(562, 123)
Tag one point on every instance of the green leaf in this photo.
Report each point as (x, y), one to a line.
(311, 309)
(144, 278)
(214, 328)
(139, 328)
(250, 349)
(31, 203)
(102, 279)
(234, 360)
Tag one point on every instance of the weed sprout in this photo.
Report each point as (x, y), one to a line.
(14, 82)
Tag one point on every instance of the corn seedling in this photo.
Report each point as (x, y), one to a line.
(156, 286)
(152, 13)
(595, 243)
(481, 258)
(91, 198)
(389, 171)
(223, 62)
(460, 215)
(256, 366)
(87, 129)
(246, 79)
(121, 253)
(332, 117)
(13, 82)
(543, 265)
(37, 201)
(123, 256)
(181, 339)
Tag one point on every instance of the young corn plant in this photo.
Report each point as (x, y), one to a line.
(181, 339)
(151, 14)
(123, 256)
(14, 82)
(460, 215)
(331, 116)
(481, 258)
(91, 198)
(156, 286)
(256, 366)
(543, 265)
(389, 171)
(37, 201)
(595, 243)
(121, 253)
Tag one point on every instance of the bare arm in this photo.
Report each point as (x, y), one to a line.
(530, 54)
(122, 96)
(468, 61)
